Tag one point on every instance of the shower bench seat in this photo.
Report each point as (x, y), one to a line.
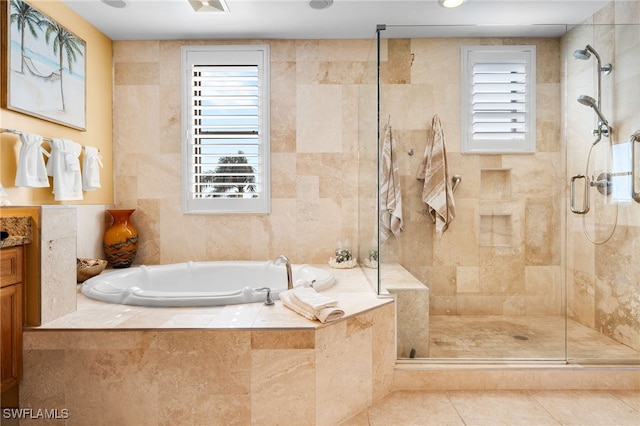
(412, 303)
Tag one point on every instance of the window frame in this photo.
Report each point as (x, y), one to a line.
(498, 55)
(240, 55)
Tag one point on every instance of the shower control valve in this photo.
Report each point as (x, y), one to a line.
(602, 183)
(602, 130)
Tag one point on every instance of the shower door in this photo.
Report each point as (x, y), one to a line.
(514, 277)
(602, 254)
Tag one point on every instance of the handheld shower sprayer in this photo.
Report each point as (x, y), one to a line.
(590, 102)
(603, 124)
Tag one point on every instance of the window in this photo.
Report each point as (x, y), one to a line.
(225, 123)
(498, 99)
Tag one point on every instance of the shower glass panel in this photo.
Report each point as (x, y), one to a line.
(513, 277)
(368, 167)
(603, 260)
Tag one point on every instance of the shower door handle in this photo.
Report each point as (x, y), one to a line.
(635, 138)
(585, 197)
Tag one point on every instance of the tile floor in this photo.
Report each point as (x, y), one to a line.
(521, 337)
(512, 408)
(510, 337)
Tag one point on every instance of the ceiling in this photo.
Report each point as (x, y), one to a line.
(344, 19)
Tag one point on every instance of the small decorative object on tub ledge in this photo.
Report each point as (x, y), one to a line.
(372, 260)
(87, 268)
(343, 259)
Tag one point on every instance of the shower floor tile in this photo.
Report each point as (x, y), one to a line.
(521, 337)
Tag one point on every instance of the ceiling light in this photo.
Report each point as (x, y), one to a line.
(320, 4)
(115, 3)
(450, 3)
(209, 5)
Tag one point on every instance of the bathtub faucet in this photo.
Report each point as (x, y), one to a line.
(287, 264)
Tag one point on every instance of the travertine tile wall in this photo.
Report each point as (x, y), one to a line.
(58, 235)
(603, 279)
(502, 253)
(50, 261)
(169, 376)
(315, 105)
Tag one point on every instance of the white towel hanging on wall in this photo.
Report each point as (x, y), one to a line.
(91, 164)
(64, 166)
(31, 171)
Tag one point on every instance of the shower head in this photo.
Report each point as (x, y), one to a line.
(584, 54)
(590, 102)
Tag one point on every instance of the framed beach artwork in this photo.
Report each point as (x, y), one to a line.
(43, 66)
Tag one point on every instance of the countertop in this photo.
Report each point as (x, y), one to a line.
(19, 229)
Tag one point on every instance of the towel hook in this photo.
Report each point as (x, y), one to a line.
(455, 181)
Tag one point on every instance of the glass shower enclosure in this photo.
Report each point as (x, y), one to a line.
(518, 275)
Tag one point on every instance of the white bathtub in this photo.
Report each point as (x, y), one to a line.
(200, 283)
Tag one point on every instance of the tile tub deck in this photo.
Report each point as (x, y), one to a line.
(242, 364)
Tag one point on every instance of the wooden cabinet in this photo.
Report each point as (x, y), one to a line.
(11, 274)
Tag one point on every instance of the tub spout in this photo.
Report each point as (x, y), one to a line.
(287, 264)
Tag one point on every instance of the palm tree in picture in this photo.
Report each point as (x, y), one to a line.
(64, 44)
(24, 16)
(233, 176)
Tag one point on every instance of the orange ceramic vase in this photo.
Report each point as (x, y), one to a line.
(121, 239)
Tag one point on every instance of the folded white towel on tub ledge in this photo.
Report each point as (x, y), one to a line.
(329, 314)
(325, 309)
(310, 299)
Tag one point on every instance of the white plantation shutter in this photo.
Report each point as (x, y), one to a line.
(498, 99)
(226, 129)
